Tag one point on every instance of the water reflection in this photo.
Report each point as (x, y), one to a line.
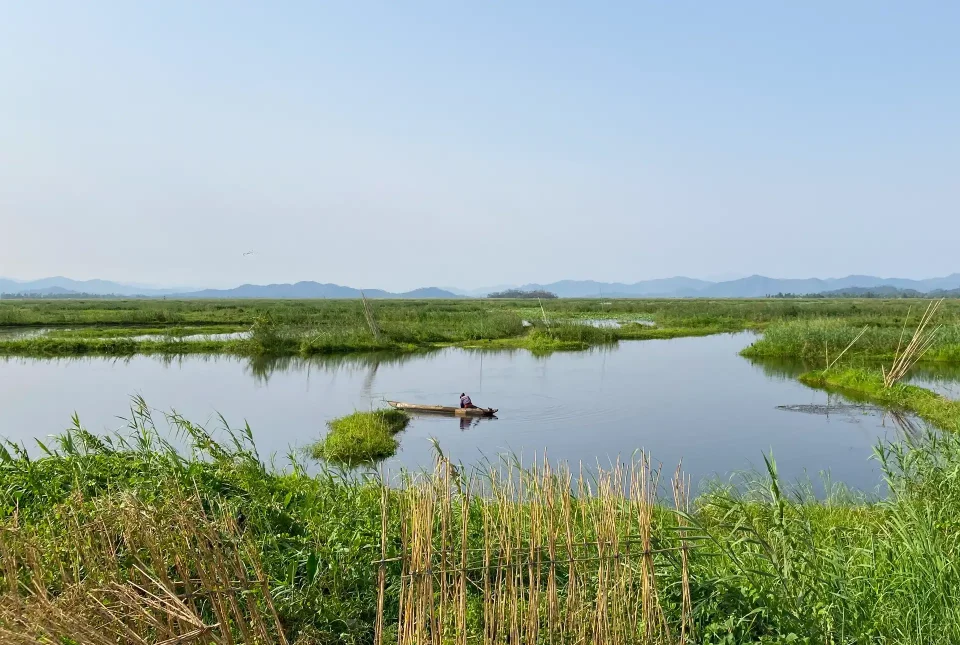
(21, 333)
(693, 399)
(942, 378)
(262, 368)
(781, 368)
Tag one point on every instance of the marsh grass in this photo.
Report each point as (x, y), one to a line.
(812, 339)
(170, 571)
(361, 437)
(760, 560)
(793, 328)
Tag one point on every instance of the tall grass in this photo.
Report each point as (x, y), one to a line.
(754, 562)
(534, 555)
(821, 339)
(124, 571)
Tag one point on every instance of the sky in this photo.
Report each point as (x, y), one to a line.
(406, 144)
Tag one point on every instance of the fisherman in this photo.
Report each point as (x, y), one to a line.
(465, 401)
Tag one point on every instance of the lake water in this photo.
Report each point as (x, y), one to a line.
(689, 398)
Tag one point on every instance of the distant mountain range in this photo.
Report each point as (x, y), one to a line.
(755, 286)
(61, 285)
(308, 290)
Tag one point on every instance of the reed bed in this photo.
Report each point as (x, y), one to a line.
(552, 558)
(812, 340)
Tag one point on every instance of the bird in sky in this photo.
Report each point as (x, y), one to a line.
(248, 253)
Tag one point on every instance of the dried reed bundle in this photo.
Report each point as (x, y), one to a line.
(921, 341)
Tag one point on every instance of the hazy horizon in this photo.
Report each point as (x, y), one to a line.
(454, 287)
(396, 146)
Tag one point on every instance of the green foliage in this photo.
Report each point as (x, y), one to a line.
(798, 328)
(769, 563)
(361, 437)
(316, 534)
(819, 338)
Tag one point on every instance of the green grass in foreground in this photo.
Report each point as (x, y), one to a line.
(770, 564)
(867, 385)
(361, 437)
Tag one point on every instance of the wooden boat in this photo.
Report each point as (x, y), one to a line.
(441, 409)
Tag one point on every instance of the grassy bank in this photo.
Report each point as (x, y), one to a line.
(91, 518)
(361, 437)
(867, 385)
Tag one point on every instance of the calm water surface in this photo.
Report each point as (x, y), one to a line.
(689, 398)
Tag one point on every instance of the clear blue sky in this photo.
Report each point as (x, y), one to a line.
(403, 144)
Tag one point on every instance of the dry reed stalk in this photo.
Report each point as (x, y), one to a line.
(488, 607)
(583, 608)
(852, 343)
(462, 581)
(442, 483)
(573, 582)
(514, 543)
(382, 566)
(371, 320)
(554, 558)
(88, 592)
(681, 500)
(403, 614)
(552, 528)
(645, 481)
(606, 548)
(919, 344)
(543, 311)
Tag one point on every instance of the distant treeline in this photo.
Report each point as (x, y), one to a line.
(879, 292)
(516, 293)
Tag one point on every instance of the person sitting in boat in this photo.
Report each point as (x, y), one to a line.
(465, 401)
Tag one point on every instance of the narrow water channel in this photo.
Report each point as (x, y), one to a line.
(693, 399)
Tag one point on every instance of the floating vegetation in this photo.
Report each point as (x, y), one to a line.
(361, 437)
(831, 408)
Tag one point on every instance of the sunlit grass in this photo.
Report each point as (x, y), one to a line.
(361, 437)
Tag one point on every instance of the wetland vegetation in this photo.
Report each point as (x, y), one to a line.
(261, 553)
(361, 437)
(87, 539)
(808, 329)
